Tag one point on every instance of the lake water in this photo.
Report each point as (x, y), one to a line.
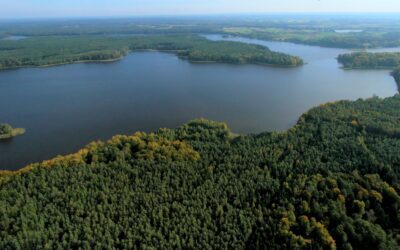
(14, 38)
(63, 108)
(349, 31)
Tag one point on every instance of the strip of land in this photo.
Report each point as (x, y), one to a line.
(56, 50)
(369, 60)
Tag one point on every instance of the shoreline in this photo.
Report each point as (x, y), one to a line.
(64, 63)
(176, 52)
(368, 68)
(30, 166)
(246, 63)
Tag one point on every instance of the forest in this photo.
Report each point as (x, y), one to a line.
(330, 182)
(54, 50)
(368, 60)
(6, 131)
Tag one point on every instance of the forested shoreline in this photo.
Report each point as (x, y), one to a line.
(369, 60)
(50, 51)
(331, 181)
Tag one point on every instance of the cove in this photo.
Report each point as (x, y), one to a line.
(63, 108)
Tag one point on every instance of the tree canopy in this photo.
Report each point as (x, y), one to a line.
(367, 60)
(5, 129)
(331, 181)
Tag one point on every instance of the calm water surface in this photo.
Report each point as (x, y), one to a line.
(64, 108)
(14, 38)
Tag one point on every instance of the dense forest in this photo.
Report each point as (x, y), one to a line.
(367, 60)
(6, 131)
(54, 50)
(331, 181)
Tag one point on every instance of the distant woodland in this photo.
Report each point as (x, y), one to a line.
(333, 31)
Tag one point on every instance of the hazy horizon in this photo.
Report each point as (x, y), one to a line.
(138, 8)
(214, 15)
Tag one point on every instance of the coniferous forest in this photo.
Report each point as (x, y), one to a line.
(331, 181)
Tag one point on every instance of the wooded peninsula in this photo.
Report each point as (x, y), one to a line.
(331, 181)
(43, 51)
(368, 60)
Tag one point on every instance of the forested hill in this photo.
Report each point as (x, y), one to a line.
(332, 181)
(55, 50)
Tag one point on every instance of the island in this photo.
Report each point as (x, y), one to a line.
(6, 131)
(56, 50)
(330, 182)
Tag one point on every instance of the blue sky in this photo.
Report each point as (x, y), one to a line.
(64, 8)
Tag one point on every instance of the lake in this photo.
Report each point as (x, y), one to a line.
(14, 38)
(349, 31)
(64, 108)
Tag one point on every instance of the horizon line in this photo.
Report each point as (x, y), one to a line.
(225, 14)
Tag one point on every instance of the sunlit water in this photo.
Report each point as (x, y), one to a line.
(63, 108)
